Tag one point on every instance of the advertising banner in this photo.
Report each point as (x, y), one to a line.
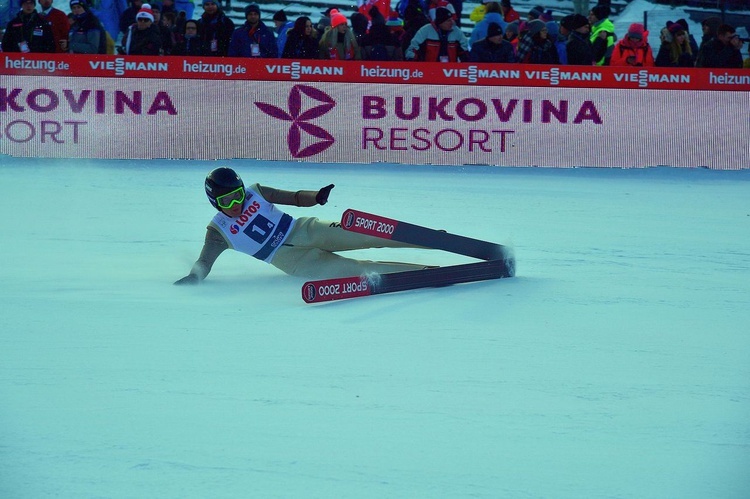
(401, 72)
(327, 121)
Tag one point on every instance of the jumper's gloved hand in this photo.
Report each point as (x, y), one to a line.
(188, 279)
(322, 196)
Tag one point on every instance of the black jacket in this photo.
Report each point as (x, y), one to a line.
(715, 54)
(486, 51)
(579, 49)
(300, 46)
(664, 58)
(29, 28)
(188, 46)
(142, 41)
(215, 33)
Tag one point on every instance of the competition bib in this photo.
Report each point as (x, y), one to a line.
(259, 231)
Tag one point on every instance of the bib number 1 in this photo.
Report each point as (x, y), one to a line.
(259, 229)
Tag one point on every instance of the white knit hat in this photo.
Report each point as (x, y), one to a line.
(145, 12)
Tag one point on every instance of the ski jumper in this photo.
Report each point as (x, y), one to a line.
(303, 247)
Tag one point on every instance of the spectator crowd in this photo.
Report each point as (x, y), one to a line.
(416, 30)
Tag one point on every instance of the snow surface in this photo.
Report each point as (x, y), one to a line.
(616, 364)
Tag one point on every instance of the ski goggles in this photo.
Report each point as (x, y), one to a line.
(226, 201)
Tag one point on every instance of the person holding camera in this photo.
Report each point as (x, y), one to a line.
(633, 50)
(723, 51)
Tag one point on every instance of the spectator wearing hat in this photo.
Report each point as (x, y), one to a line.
(301, 40)
(558, 39)
(396, 26)
(58, 22)
(86, 34)
(189, 43)
(215, 29)
(282, 27)
(28, 32)
(143, 38)
(254, 38)
(439, 41)
(602, 34)
(578, 48)
(633, 49)
(493, 48)
(324, 22)
(493, 15)
(723, 51)
(509, 13)
(433, 5)
(338, 42)
(675, 50)
(535, 13)
(535, 46)
(511, 36)
(709, 26)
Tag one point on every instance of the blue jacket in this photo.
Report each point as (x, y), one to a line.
(244, 38)
(281, 36)
(109, 13)
(6, 12)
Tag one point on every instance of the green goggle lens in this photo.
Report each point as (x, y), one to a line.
(226, 201)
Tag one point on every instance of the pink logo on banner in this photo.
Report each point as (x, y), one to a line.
(300, 120)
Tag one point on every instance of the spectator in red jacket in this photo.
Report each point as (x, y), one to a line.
(509, 13)
(59, 22)
(633, 50)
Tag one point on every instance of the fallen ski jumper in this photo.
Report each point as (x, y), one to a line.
(249, 221)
